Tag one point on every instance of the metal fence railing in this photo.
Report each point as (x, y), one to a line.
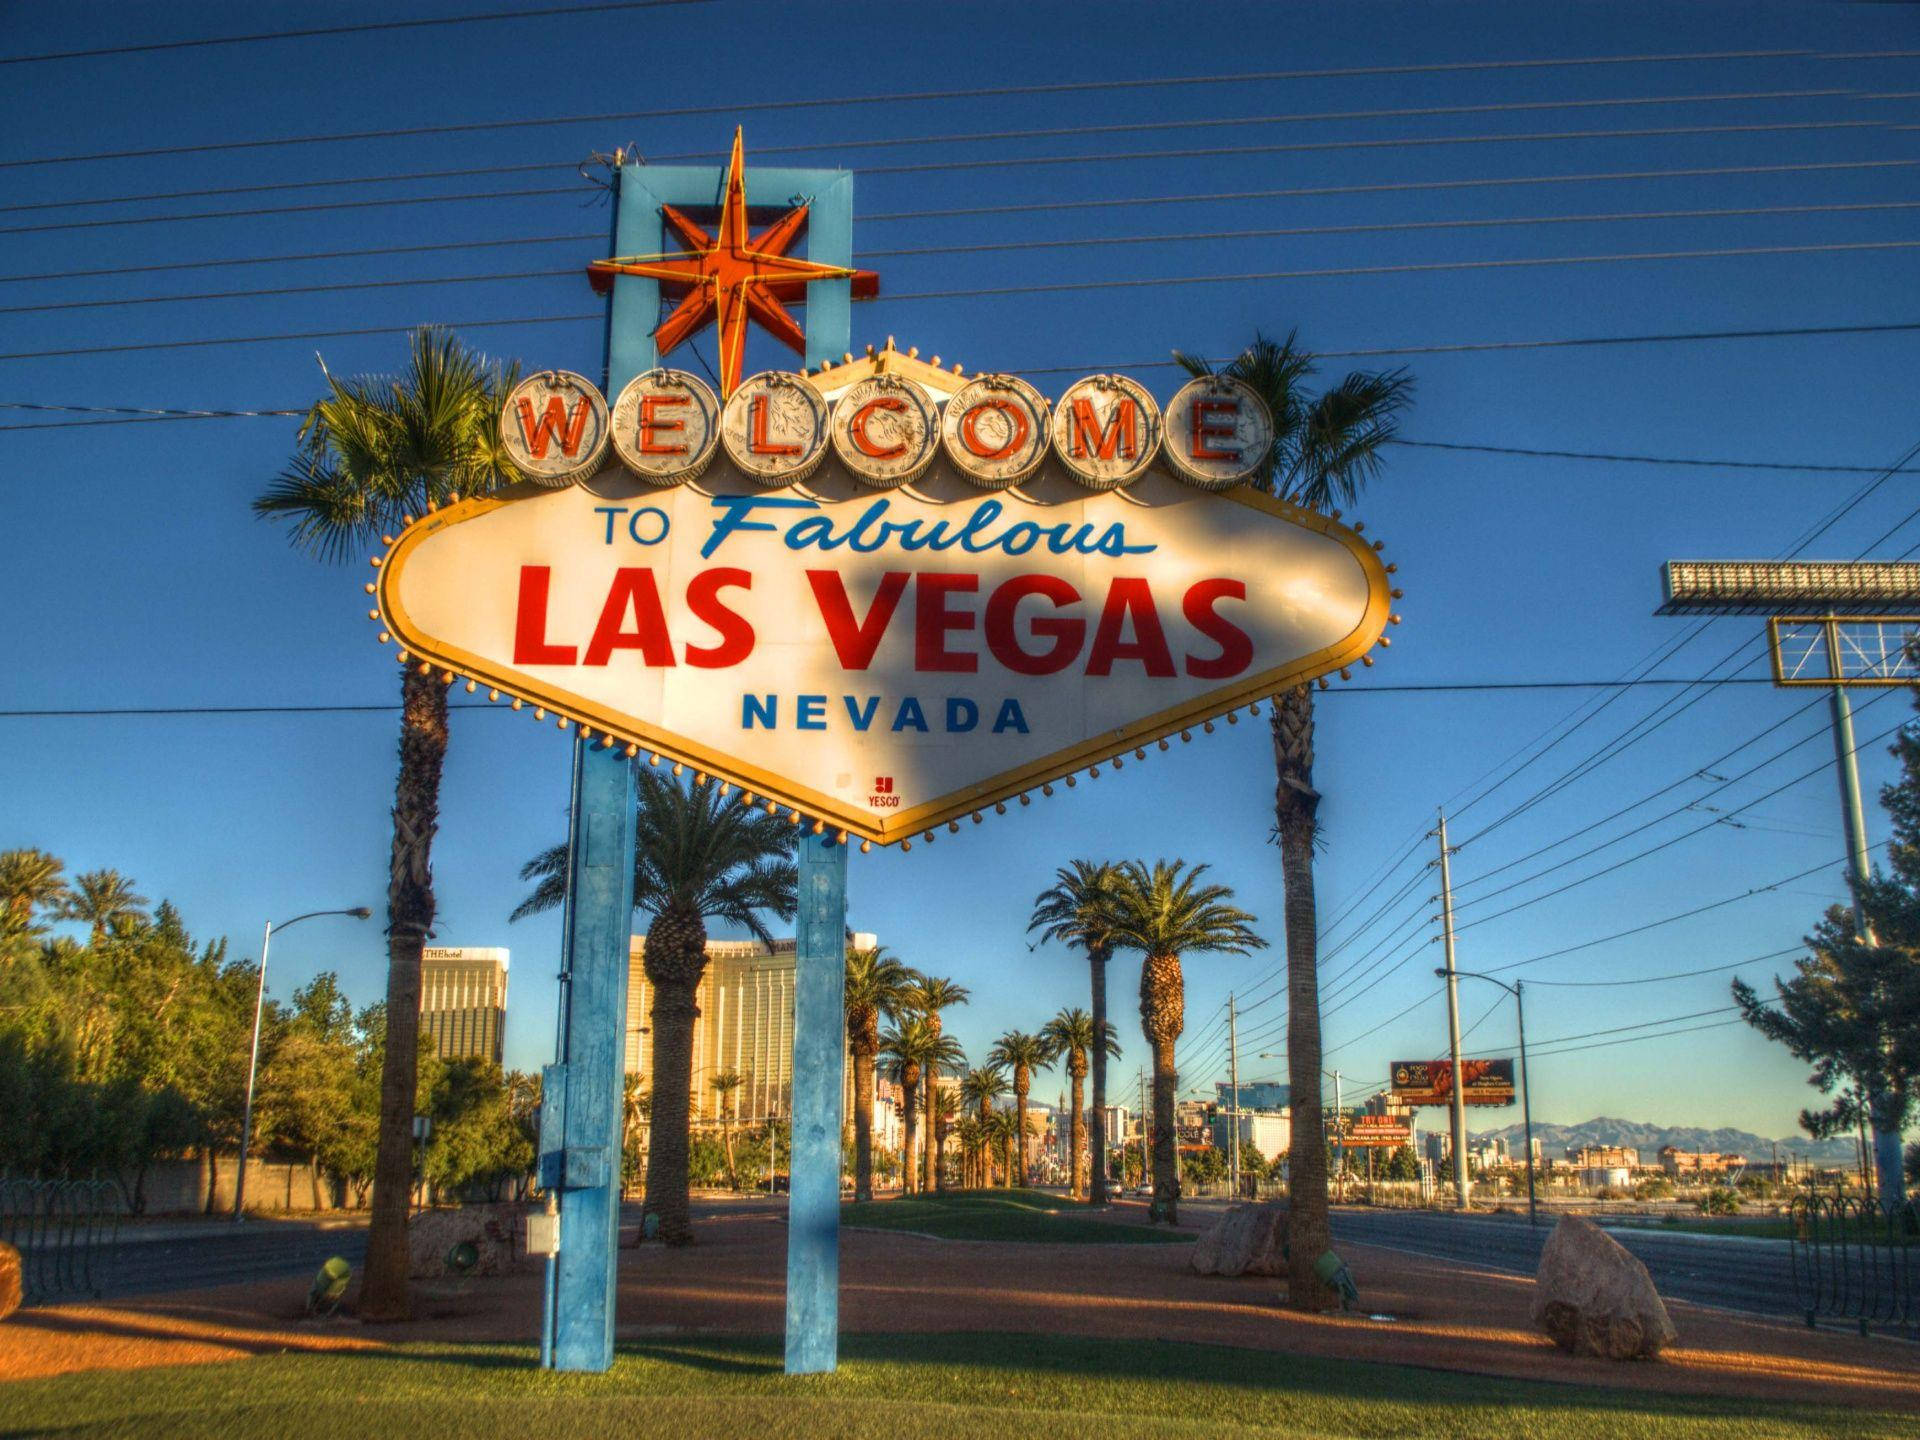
(1855, 1260)
(65, 1231)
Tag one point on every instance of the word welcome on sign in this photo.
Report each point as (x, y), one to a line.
(881, 643)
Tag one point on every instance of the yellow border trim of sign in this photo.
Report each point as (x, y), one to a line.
(949, 808)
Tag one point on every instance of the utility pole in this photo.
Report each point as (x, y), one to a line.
(1843, 750)
(1339, 1138)
(1146, 1167)
(1457, 1105)
(1233, 1103)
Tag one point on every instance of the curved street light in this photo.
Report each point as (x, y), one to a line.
(359, 912)
(1526, 1090)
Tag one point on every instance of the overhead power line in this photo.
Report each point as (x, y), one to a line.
(881, 142)
(320, 31)
(1673, 975)
(1076, 243)
(849, 102)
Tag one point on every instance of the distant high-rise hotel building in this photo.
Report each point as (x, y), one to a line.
(745, 1026)
(463, 1001)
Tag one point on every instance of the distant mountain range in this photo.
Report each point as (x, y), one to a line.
(1557, 1140)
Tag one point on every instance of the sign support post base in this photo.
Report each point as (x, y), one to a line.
(819, 1057)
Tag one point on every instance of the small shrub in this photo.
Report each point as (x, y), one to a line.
(1654, 1187)
(1720, 1201)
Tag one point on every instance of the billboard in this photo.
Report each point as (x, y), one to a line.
(1382, 1132)
(1430, 1082)
(816, 599)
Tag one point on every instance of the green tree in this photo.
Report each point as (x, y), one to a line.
(980, 1087)
(876, 986)
(1166, 912)
(1021, 1054)
(1204, 1166)
(1070, 1035)
(476, 1144)
(909, 1049)
(1852, 1009)
(1080, 909)
(726, 1090)
(928, 995)
(33, 885)
(697, 857)
(373, 453)
(105, 902)
(1327, 448)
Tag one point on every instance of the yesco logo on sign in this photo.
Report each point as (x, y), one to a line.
(827, 581)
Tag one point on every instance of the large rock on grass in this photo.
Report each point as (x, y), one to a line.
(1247, 1240)
(1594, 1298)
(492, 1230)
(10, 1280)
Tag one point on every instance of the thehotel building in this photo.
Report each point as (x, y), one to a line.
(463, 1001)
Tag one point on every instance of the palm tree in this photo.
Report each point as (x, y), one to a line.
(697, 857)
(104, 900)
(980, 1087)
(725, 1085)
(1079, 909)
(30, 880)
(374, 452)
(636, 1110)
(876, 986)
(913, 1048)
(1002, 1126)
(971, 1131)
(1326, 449)
(1022, 1054)
(1166, 913)
(928, 995)
(945, 1111)
(1071, 1034)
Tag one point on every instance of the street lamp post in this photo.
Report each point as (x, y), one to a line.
(359, 912)
(1526, 1090)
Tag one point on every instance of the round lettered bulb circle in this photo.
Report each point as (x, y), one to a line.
(555, 428)
(666, 427)
(995, 430)
(1219, 433)
(1106, 431)
(886, 431)
(775, 427)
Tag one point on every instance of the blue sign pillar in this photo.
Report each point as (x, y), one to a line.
(819, 1060)
(580, 1139)
(581, 1117)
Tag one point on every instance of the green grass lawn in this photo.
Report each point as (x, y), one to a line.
(1032, 1216)
(922, 1387)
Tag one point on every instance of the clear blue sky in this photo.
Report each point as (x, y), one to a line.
(136, 576)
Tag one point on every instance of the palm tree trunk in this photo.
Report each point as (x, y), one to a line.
(863, 1124)
(1166, 1149)
(1295, 805)
(1020, 1097)
(909, 1133)
(410, 911)
(929, 1107)
(1097, 962)
(1077, 1139)
(673, 1016)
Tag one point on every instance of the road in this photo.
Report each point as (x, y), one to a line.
(221, 1254)
(1735, 1273)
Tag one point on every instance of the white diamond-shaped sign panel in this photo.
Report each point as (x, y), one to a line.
(883, 661)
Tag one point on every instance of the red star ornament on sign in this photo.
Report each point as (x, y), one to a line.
(731, 276)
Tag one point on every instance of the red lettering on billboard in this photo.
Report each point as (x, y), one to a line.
(632, 590)
(1204, 429)
(554, 424)
(1130, 598)
(757, 442)
(652, 426)
(530, 646)
(970, 433)
(1236, 649)
(736, 635)
(1121, 435)
(1067, 633)
(932, 620)
(855, 641)
(857, 428)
